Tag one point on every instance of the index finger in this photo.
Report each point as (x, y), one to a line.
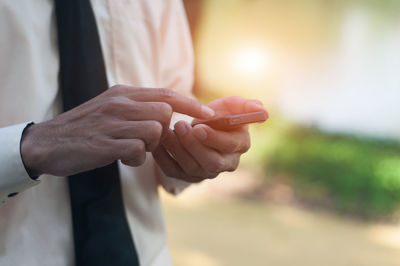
(179, 103)
(237, 105)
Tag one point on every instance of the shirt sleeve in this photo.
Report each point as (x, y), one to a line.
(177, 64)
(13, 176)
(176, 50)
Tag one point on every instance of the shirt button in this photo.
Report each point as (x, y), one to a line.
(12, 194)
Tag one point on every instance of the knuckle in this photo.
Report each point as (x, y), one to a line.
(212, 175)
(245, 145)
(166, 110)
(98, 140)
(217, 166)
(112, 103)
(241, 146)
(134, 107)
(165, 93)
(138, 148)
(136, 153)
(231, 148)
(155, 129)
(234, 164)
(231, 168)
(115, 89)
(141, 159)
(194, 103)
(154, 134)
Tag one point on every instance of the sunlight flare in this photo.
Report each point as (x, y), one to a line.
(251, 61)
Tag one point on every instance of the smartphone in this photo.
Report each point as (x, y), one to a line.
(233, 121)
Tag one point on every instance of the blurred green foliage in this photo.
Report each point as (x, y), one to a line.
(358, 175)
(354, 174)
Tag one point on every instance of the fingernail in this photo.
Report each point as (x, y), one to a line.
(258, 105)
(181, 129)
(200, 133)
(207, 111)
(254, 105)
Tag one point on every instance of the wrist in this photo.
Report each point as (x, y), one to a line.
(30, 154)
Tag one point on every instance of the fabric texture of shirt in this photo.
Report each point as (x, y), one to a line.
(145, 43)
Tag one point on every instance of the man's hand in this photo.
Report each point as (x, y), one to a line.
(122, 123)
(200, 152)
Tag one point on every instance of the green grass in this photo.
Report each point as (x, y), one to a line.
(358, 175)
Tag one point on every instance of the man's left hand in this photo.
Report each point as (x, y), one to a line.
(201, 152)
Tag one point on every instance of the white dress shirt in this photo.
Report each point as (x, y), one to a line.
(145, 43)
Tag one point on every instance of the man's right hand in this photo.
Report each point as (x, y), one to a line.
(120, 124)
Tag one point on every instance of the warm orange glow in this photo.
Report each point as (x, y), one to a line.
(251, 61)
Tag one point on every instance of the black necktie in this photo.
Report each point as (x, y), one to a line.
(101, 232)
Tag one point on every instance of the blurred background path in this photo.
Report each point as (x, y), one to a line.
(210, 225)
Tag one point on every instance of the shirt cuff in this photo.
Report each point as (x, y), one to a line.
(13, 176)
(171, 185)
